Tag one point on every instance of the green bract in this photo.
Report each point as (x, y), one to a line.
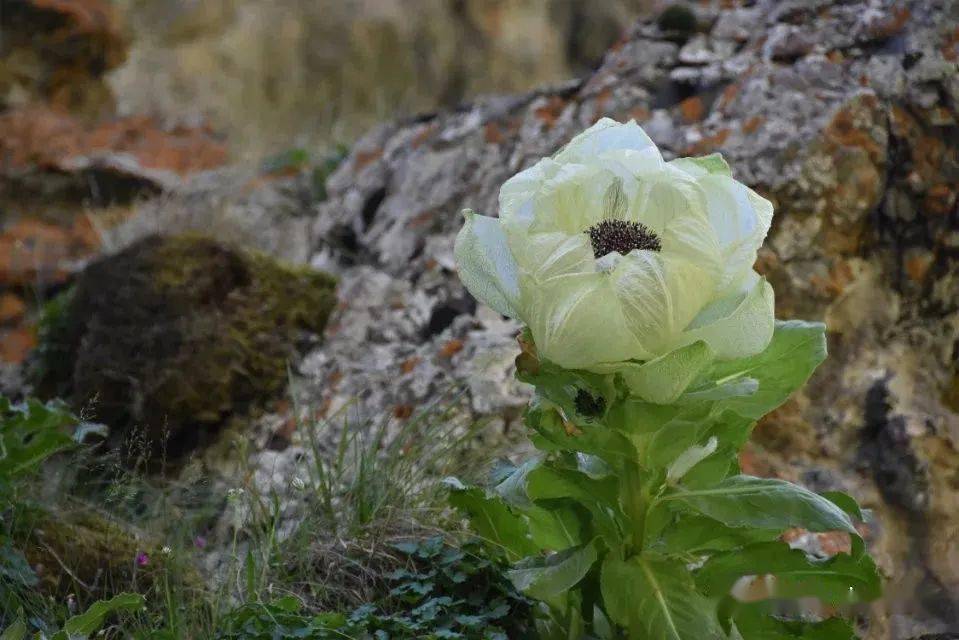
(652, 349)
(594, 295)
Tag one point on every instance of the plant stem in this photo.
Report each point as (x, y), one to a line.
(636, 507)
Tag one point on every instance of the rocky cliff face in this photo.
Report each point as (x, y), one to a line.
(845, 115)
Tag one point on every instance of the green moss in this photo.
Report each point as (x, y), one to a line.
(81, 552)
(168, 338)
(677, 18)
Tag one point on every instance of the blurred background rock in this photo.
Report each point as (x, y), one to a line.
(304, 71)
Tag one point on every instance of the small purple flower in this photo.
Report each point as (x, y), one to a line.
(199, 542)
(142, 559)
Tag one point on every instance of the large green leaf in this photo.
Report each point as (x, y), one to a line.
(694, 533)
(30, 432)
(762, 503)
(83, 625)
(492, 519)
(657, 600)
(797, 348)
(546, 578)
(842, 579)
(554, 528)
(548, 483)
(16, 631)
(754, 622)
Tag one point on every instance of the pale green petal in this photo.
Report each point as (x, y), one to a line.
(691, 238)
(485, 265)
(660, 295)
(741, 219)
(737, 326)
(606, 135)
(548, 255)
(665, 196)
(572, 200)
(673, 206)
(576, 321)
(517, 194)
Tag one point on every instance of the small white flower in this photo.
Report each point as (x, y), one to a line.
(166, 551)
(297, 483)
(608, 253)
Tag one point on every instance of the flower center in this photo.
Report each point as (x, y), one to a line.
(623, 236)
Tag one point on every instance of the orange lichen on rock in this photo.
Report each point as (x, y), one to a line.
(12, 308)
(549, 112)
(37, 252)
(707, 144)
(42, 138)
(16, 344)
(692, 109)
(451, 348)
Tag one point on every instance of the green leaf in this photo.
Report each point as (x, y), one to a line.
(763, 503)
(690, 458)
(546, 482)
(92, 619)
(512, 487)
(556, 527)
(14, 566)
(544, 579)
(713, 163)
(694, 533)
(657, 600)
(842, 579)
(663, 380)
(797, 348)
(845, 502)
(583, 396)
(16, 631)
(492, 519)
(754, 622)
(598, 496)
(30, 432)
(595, 439)
(736, 388)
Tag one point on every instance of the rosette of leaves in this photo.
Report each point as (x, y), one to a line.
(442, 592)
(636, 520)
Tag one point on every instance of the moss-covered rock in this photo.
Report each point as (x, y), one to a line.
(172, 335)
(83, 552)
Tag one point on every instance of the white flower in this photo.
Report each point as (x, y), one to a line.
(608, 253)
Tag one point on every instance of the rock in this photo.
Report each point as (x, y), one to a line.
(57, 51)
(82, 552)
(39, 254)
(16, 344)
(337, 64)
(166, 339)
(843, 114)
(12, 308)
(49, 154)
